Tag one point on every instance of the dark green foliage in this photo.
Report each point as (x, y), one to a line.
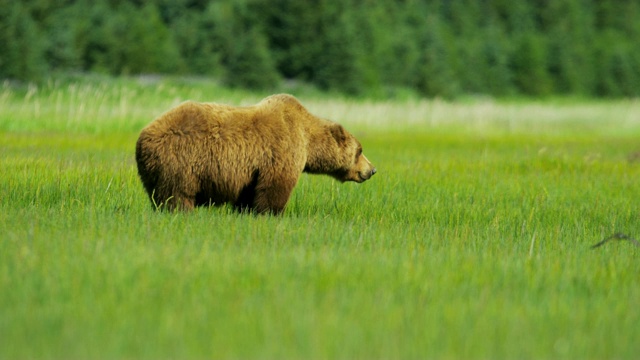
(436, 74)
(618, 72)
(193, 35)
(21, 47)
(570, 45)
(63, 48)
(129, 40)
(338, 61)
(363, 47)
(529, 65)
(239, 39)
(293, 27)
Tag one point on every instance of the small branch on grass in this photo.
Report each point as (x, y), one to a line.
(109, 185)
(533, 241)
(617, 236)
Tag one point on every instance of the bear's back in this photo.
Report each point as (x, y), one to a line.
(193, 117)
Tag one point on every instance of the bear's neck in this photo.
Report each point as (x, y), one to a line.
(320, 152)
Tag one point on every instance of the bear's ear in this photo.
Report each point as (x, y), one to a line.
(338, 133)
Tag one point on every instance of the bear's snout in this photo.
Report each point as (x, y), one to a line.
(366, 175)
(365, 169)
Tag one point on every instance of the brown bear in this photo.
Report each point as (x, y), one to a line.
(200, 154)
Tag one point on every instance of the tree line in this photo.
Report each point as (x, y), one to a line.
(431, 47)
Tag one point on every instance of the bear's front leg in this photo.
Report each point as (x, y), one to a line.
(173, 192)
(272, 196)
(174, 202)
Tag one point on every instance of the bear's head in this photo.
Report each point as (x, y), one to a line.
(340, 156)
(360, 168)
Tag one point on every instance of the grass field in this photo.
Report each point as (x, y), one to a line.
(472, 241)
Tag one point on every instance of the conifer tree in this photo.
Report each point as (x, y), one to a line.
(21, 45)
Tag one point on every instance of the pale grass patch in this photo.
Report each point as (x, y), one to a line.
(128, 106)
(484, 115)
(84, 107)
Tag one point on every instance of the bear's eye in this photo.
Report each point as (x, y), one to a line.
(358, 153)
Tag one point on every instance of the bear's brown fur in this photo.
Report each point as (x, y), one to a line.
(208, 154)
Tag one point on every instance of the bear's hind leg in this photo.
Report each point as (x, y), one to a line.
(247, 196)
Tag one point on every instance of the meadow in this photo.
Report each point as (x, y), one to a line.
(472, 241)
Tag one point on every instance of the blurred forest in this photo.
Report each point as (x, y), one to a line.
(431, 47)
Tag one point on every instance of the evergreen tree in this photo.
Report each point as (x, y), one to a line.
(436, 71)
(497, 77)
(21, 47)
(569, 26)
(193, 35)
(464, 20)
(338, 66)
(618, 73)
(63, 49)
(529, 65)
(294, 37)
(238, 38)
(148, 46)
(130, 40)
(399, 55)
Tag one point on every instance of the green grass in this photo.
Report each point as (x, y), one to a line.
(472, 241)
